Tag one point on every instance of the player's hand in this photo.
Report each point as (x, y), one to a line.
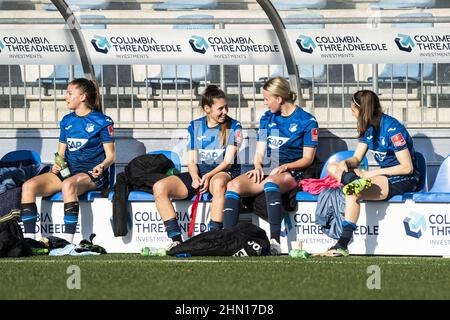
(56, 169)
(278, 170)
(97, 171)
(256, 174)
(196, 182)
(204, 183)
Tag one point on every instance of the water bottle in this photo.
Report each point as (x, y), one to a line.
(172, 171)
(153, 252)
(59, 160)
(298, 252)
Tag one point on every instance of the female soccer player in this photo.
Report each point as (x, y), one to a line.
(86, 141)
(392, 147)
(289, 137)
(213, 144)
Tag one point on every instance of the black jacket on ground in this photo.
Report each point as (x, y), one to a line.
(140, 174)
(244, 239)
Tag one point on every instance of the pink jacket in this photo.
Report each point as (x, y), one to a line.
(316, 186)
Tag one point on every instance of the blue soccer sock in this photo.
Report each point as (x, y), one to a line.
(347, 233)
(71, 213)
(231, 209)
(29, 218)
(214, 225)
(173, 229)
(274, 209)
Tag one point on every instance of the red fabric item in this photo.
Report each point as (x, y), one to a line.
(193, 215)
(316, 186)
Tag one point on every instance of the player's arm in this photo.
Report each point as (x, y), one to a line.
(405, 166)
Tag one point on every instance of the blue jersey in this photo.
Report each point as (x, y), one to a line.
(207, 141)
(286, 136)
(391, 138)
(84, 137)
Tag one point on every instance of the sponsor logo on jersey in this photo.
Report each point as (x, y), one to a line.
(111, 130)
(314, 134)
(378, 155)
(383, 142)
(210, 155)
(391, 129)
(68, 127)
(369, 138)
(75, 144)
(201, 138)
(293, 127)
(398, 140)
(276, 142)
(90, 127)
(273, 124)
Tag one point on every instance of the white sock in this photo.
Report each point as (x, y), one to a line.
(67, 236)
(30, 235)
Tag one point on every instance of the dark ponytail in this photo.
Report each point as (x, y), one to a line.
(91, 90)
(214, 92)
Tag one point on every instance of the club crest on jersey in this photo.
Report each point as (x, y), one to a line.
(398, 140)
(314, 134)
(378, 155)
(276, 142)
(210, 155)
(75, 144)
(293, 127)
(90, 127)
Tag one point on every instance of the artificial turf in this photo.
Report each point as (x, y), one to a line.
(130, 276)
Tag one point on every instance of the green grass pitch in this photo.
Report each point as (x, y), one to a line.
(130, 276)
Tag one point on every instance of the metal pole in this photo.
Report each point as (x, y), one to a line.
(288, 54)
(75, 30)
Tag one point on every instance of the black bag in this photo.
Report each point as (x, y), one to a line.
(244, 239)
(11, 237)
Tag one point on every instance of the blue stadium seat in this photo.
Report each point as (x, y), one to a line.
(338, 156)
(186, 4)
(180, 76)
(423, 184)
(412, 72)
(90, 195)
(299, 4)
(440, 192)
(19, 155)
(402, 4)
(307, 72)
(77, 5)
(60, 76)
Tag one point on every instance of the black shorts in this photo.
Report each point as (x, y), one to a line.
(297, 175)
(186, 178)
(402, 184)
(101, 182)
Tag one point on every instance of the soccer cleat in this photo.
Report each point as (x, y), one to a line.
(357, 186)
(173, 245)
(275, 248)
(336, 251)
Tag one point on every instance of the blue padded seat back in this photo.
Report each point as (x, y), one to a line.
(18, 155)
(170, 155)
(339, 156)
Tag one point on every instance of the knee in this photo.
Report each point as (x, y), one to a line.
(332, 169)
(160, 189)
(218, 187)
(234, 186)
(68, 186)
(29, 187)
